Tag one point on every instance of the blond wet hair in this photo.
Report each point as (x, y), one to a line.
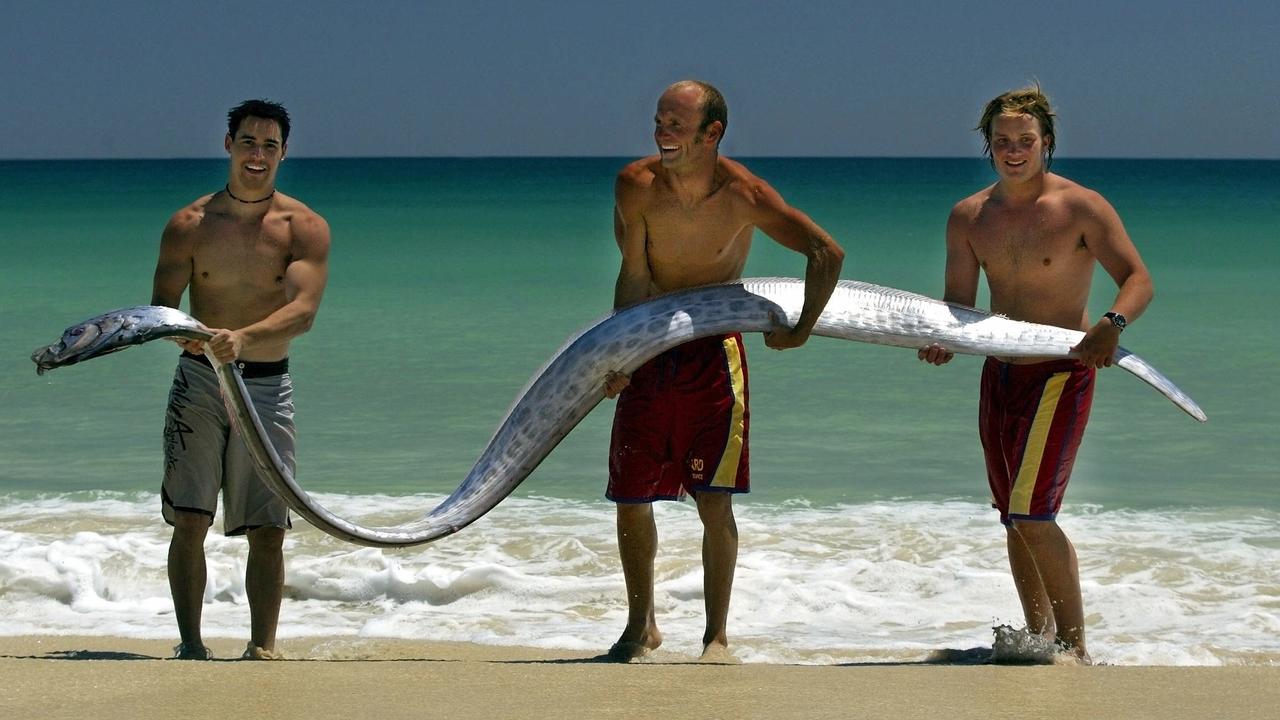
(1029, 100)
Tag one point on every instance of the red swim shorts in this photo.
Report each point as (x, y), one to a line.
(1031, 419)
(681, 425)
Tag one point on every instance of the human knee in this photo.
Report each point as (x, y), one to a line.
(190, 527)
(634, 512)
(715, 508)
(270, 539)
(1036, 532)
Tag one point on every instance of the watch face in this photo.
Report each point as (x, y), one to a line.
(1117, 319)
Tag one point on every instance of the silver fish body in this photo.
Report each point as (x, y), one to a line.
(569, 386)
(114, 331)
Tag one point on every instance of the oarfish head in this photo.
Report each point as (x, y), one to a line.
(106, 333)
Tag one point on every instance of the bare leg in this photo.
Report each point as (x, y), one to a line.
(637, 547)
(719, 559)
(264, 584)
(187, 576)
(1055, 558)
(1036, 606)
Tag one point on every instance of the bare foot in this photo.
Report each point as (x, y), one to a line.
(253, 652)
(183, 651)
(1020, 646)
(1072, 656)
(628, 650)
(717, 654)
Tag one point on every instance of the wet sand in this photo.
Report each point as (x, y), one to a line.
(106, 677)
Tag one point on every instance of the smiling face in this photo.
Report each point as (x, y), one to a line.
(1017, 146)
(680, 139)
(256, 152)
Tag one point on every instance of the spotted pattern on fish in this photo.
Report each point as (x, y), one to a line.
(569, 386)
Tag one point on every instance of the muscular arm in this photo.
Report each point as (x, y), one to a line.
(1111, 245)
(634, 277)
(173, 268)
(795, 230)
(1107, 239)
(962, 275)
(962, 263)
(304, 282)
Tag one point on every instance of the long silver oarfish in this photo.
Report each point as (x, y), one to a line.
(567, 388)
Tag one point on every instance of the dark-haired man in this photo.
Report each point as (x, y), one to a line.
(255, 262)
(685, 217)
(1038, 237)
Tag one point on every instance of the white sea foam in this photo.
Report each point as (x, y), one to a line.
(891, 581)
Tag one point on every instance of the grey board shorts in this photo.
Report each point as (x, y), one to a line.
(203, 453)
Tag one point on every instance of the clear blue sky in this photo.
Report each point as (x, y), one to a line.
(501, 77)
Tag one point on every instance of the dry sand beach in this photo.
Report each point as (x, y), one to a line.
(106, 677)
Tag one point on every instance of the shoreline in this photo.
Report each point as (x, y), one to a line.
(113, 677)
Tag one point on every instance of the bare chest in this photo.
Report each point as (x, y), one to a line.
(1029, 242)
(230, 254)
(708, 236)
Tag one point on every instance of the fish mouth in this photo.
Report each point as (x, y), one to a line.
(48, 358)
(58, 355)
(75, 345)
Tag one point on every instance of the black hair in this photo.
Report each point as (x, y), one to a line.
(264, 109)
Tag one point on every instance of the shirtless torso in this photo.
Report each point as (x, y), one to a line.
(1037, 236)
(255, 260)
(691, 243)
(682, 230)
(244, 267)
(685, 217)
(1036, 255)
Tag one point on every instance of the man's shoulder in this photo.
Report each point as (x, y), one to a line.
(639, 173)
(188, 218)
(969, 207)
(742, 182)
(737, 173)
(306, 224)
(297, 209)
(1074, 195)
(634, 183)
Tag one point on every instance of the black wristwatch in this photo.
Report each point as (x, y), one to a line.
(1117, 319)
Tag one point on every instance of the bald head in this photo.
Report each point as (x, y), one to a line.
(712, 103)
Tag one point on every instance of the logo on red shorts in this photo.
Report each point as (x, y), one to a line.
(696, 465)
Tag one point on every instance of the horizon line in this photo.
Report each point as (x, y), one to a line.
(632, 157)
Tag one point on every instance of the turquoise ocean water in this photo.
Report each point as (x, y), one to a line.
(453, 280)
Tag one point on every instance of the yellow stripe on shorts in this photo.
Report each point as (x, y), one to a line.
(727, 469)
(1033, 454)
